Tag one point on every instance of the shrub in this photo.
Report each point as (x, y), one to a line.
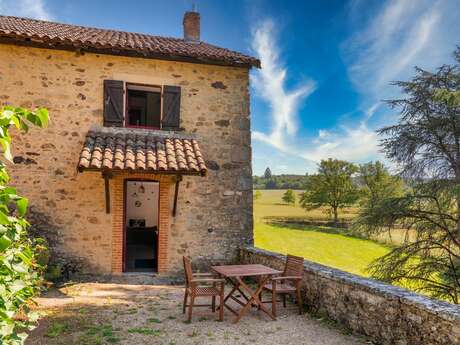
(21, 258)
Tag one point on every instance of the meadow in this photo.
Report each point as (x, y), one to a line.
(321, 244)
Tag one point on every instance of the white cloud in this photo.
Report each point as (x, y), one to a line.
(322, 133)
(354, 144)
(269, 84)
(25, 8)
(401, 35)
(394, 37)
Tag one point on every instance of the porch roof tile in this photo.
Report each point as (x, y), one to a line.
(141, 150)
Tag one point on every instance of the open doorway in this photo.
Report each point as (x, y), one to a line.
(141, 226)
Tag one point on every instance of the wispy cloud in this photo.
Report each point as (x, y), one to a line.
(394, 37)
(26, 8)
(270, 85)
(349, 143)
(400, 35)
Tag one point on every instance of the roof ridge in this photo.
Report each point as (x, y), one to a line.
(100, 28)
(119, 42)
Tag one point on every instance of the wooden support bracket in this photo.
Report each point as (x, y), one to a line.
(176, 192)
(107, 176)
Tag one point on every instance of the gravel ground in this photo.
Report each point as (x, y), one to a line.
(107, 313)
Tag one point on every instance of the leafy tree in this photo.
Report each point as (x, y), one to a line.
(425, 143)
(268, 173)
(332, 187)
(20, 271)
(289, 197)
(257, 195)
(377, 184)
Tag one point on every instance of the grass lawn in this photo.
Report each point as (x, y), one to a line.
(346, 253)
(271, 205)
(313, 243)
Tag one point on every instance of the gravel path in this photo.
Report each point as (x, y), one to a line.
(105, 313)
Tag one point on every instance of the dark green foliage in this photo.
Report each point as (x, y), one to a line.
(21, 257)
(268, 173)
(332, 187)
(289, 197)
(425, 143)
(377, 184)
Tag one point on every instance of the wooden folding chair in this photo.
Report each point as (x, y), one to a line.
(197, 285)
(287, 284)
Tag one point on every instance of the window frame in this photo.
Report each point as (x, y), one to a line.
(126, 114)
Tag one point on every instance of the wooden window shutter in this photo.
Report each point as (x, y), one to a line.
(113, 103)
(171, 107)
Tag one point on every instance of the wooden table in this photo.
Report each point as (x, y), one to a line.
(234, 274)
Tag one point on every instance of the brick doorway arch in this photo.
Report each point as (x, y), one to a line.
(118, 221)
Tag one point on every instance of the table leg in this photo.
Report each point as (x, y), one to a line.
(254, 298)
(236, 285)
(230, 295)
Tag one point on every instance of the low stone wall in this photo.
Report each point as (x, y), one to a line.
(385, 313)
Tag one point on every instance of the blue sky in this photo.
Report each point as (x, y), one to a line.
(327, 65)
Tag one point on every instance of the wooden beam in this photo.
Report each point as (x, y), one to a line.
(107, 176)
(176, 192)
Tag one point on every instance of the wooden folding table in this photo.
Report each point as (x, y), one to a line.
(234, 274)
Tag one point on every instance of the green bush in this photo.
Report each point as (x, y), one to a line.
(21, 258)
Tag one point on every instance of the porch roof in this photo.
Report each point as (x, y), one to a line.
(159, 152)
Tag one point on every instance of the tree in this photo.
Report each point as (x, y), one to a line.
(268, 173)
(257, 195)
(289, 197)
(20, 269)
(332, 187)
(377, 184)
(425, 143)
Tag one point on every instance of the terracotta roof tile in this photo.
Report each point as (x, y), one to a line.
(125, 149)
(65, 36)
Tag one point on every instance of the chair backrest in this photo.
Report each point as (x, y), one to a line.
(294, 266)
(187, 270)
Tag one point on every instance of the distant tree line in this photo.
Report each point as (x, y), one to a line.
(269, 181)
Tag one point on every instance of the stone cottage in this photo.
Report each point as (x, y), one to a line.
(148, 153)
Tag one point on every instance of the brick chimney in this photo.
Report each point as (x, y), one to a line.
(192, 26)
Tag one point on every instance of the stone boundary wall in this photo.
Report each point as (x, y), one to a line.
(385, 313)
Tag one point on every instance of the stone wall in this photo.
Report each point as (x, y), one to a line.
(387, 314)
(214, 215)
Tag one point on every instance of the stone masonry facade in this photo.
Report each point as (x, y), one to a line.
(387, 314)
(214, 213)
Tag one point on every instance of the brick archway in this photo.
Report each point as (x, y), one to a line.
(117, 207)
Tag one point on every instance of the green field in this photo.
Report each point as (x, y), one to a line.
(271, 205)
(314, 243)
